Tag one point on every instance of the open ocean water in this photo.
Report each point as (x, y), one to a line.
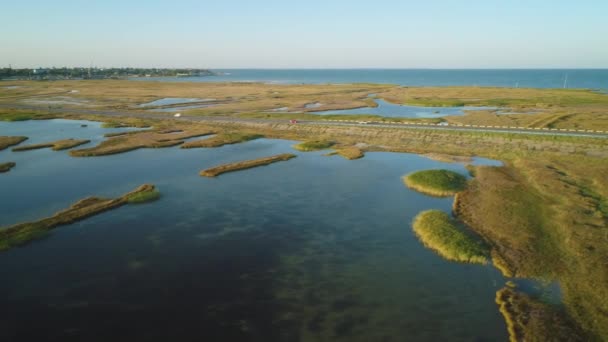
(524, 78)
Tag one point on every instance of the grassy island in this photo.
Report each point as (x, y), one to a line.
(6, 167)
(247, 164)
(531, 320)
(222, 139)
(350, 152)
(10, 141)
(441, 183)
(55, 145)
(23, 233)
(439, 232)
(314, 145)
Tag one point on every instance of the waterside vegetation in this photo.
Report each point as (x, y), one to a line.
(6, 167)
(440, 233)
(58, 145)
(22, 233)
(440, 183)
(247, 164)
(226, 138)
(8, 141)
(314, 145)
(530, 320)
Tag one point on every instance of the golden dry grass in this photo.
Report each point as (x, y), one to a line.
(530, 320)
(221, 139)
(58, 145)
(7, 141)
(156, 138)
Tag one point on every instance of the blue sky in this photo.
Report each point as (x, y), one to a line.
(306, 34)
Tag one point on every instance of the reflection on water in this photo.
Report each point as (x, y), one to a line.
(317, 248)
(388, 109)
(172, 101)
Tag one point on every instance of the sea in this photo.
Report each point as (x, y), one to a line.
(596, 79)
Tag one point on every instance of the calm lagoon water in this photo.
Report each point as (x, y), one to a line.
(525, 78)
(388, 109)
(314, 249)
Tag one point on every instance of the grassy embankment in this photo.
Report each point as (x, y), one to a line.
(440, 183)
(6, 167)
(117, 124)
(221, 139)
(331, 117)
(23, 233)
(247, 164)
(440, 233)
(58, 145)
(7, 141)
(448, 158)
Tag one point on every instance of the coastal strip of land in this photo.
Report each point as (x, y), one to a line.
(247, 164)
(22, 233)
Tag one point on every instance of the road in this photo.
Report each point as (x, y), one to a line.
(403, 125)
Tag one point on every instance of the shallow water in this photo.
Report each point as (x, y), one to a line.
(316, 248)
(388, 109)
(172, 101)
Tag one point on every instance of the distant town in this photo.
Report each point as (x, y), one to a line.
(96, 73)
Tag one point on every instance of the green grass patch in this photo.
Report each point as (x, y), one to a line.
(440, 183)
(314, 145)
(440, 233)
(15, 117)
(143, 197)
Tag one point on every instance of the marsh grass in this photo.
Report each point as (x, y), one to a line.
(350, 152)
(5, 167)
(227, 138)
(22, 233)
(528, 319)
(314, 145)
(55, 145)
(247, 164)
(143, 196)
(440, 233)
(8, 141)
(440, 183)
